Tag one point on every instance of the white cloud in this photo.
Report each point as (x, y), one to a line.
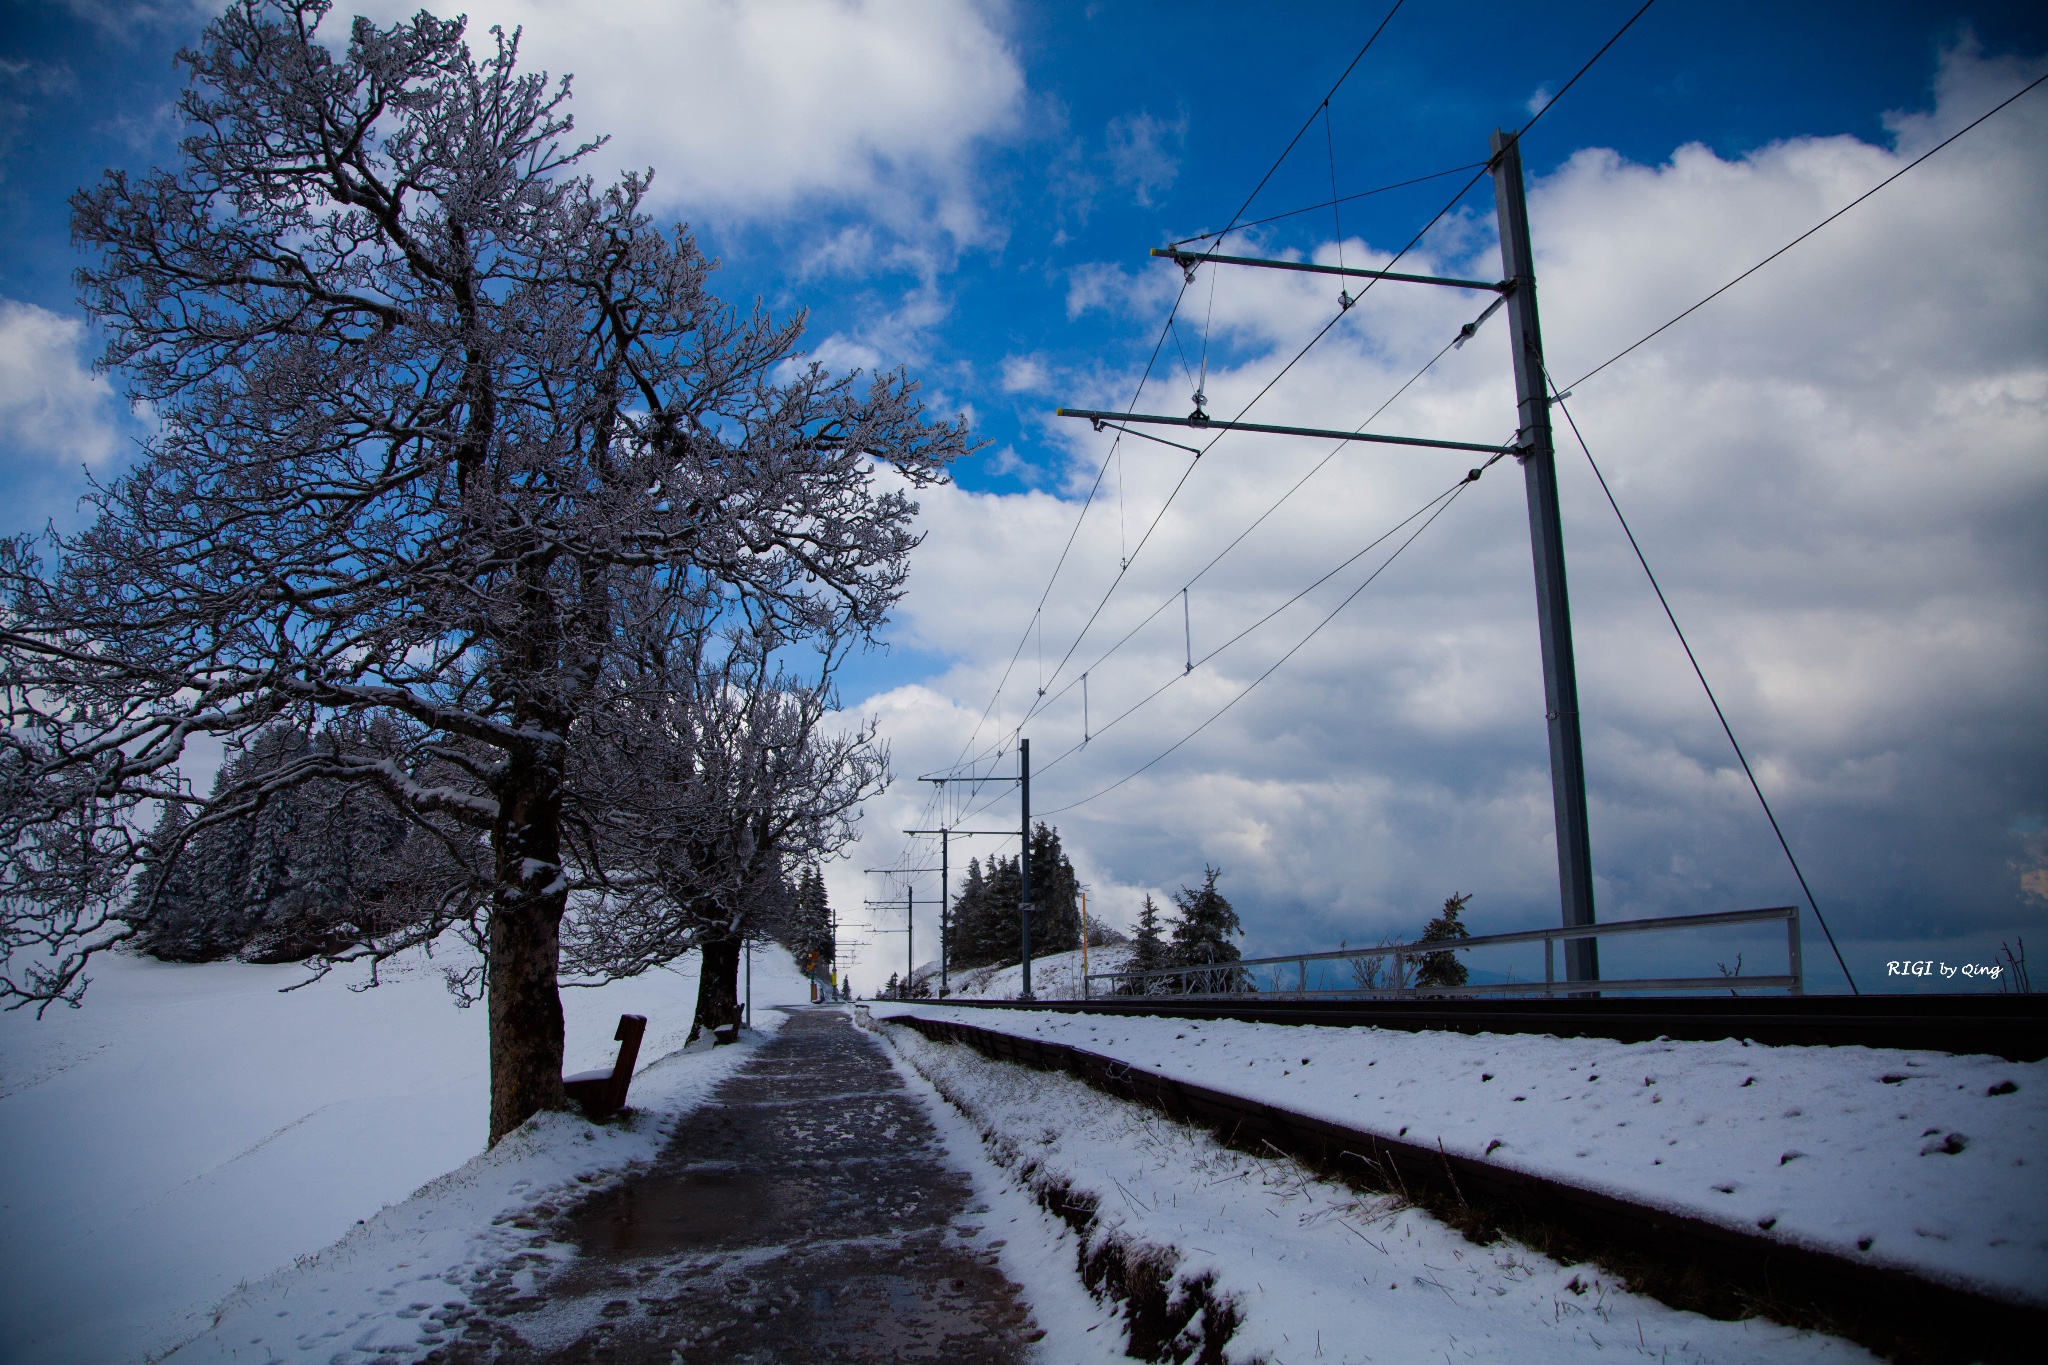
(1837, 469)
(1025, 374)
(751, 109)
(1143, 151)
(51, 403)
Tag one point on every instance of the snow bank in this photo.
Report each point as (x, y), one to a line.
(1310, 1269)
(1934, 1163)
(1057, 977)
(191, 1129)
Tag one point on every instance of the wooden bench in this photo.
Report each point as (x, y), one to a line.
(603, 1093)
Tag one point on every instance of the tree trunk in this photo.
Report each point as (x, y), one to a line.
(718, 990)
(526, 946)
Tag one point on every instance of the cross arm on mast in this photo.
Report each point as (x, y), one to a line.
(1209, 424)
(1187, 259)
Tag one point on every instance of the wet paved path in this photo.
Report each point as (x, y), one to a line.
(804, 1214)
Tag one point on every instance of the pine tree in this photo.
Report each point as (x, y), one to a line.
(963, 925)
(1202, 933)
(1148, 947)
(988, 928)
(308, 869)
(988, 933)
(807, 931)
(1055, 896)
(1444, 969)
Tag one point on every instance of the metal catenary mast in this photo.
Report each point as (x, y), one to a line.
(1532, 449)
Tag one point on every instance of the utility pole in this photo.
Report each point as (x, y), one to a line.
(1084, 943)
(1546, 544)
(946, 885)
(909, 921)
(1532, 448)
(1024, 858)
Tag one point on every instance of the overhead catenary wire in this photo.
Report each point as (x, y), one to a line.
(1326, 328)
(1341, 199)
(1706, 686)
(1429, 510)
(1153, 361)
(1072, 535)
(1308, 123)
(1345, 75)
(1253, 685)
(1464, 334)
(1181, 482)
(1193, 663)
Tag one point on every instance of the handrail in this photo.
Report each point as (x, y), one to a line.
(1794, 979)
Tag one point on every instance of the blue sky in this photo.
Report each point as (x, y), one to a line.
(970, 191)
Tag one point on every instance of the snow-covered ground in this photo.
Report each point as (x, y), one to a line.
(191, 1129)
(1057, 977)
(1931, 1162)
(1315, 1271)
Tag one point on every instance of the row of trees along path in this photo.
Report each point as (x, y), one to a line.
(462, 467)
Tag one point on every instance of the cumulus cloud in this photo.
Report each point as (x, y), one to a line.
(1837, 470)
(750, 110)
(52, 406)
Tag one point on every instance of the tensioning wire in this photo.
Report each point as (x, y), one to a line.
(1806, 234)
(1706, 686)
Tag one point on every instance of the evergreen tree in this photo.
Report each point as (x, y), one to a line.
(1202, 933)
(1444, 969)
(987, 925)
(965, 910)
(184, 902)
(985, 931)
(302, 870)
(807, 928)
(1148, 947)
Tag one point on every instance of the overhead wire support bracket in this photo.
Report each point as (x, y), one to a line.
(1188, 259)
(1209, 424)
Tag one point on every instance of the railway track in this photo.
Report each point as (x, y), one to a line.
(2014, 1027)
(1689, 1262)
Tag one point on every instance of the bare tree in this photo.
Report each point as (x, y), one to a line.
(431, 403)
(735, 783)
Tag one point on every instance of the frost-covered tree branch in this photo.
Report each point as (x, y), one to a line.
(433, 407)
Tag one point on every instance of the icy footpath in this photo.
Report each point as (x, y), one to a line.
(404, 1281)
(1934, 1163)
(1292, 1268)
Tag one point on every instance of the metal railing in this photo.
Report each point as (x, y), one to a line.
(1375, 977)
